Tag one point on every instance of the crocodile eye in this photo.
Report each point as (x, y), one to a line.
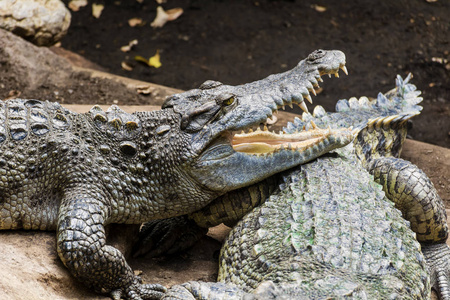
(229, 101)
(225, 99)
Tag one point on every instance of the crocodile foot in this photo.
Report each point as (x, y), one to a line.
(139, 291)
(167, 236)
(437, 257)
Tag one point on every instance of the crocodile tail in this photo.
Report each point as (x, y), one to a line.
(382, 137)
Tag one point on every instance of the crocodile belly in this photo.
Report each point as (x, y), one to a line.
(328, 232)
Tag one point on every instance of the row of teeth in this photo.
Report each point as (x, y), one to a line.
(265, 128)
(311, 88)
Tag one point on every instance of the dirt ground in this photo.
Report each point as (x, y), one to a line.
(238, 41)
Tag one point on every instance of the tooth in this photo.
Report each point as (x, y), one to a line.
(336, 74)
(344, 68)
(290, 105)
(289, 146)
(265, 128)
(308, 97)
(329, 75)
(283, 107)
(303, 106)
(319, 79)
(314, 92)
(313, 124)
(250, 130)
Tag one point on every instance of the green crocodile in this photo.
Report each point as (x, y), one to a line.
(326, 229)
(76, 173)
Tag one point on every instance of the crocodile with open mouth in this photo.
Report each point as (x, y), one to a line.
(328, 229)
(75, 173)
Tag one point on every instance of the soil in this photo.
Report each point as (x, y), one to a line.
(239, 41)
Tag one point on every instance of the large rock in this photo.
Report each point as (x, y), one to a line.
(43, 22)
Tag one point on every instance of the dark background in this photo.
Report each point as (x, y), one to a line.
(240, 41)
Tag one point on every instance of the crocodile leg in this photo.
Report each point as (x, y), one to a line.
(81, 244)
(168, 236)
(415, 196)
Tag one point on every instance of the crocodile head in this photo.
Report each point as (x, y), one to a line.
(222, 160)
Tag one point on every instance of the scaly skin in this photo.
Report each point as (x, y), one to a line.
(381, 127)
(322, 235)
(76, 173)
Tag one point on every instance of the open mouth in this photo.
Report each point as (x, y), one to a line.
(263, 141)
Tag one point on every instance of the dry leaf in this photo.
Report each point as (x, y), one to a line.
(319, 8)
(162, 17)
(75, 5)
(126, 66)
(145, 89)
(134, 22)
(174, 13)
(128, 47)
(97, 10)
(153, 61)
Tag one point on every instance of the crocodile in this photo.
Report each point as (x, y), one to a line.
(328, 229)
(76, 173)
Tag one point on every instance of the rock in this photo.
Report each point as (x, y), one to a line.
(28, 66)
(43, 22)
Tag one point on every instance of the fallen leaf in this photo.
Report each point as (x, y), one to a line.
(128, 47)
(319, 8)
(126, 66)
(162, 16)
(153, 61)
(174, 13)
(97, 10)
(145, 89)
(135, 22)
(13, 94)
(75, 5)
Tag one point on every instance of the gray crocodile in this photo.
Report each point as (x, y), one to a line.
(76, 173)
(326, 230)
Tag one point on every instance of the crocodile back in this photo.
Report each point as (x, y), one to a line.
(328, 232)
(402, 100)
(34, 143)
(21, 118)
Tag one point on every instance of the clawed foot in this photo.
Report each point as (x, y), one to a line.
(437, 257)
(139, 291)
(167, 236)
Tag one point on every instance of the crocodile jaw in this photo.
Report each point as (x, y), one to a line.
(267, 142)
(250, 158)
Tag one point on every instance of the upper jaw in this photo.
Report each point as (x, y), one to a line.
(259, 100)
